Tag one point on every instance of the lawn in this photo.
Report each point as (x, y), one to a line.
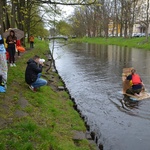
(137, 42)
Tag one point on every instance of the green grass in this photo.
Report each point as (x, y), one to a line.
(49, 121)
(137, 42)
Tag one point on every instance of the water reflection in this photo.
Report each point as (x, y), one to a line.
(92, 74)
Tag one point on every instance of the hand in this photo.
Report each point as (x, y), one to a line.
(41, 63)
(143, 87)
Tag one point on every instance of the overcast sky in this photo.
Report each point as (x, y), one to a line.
(67, 9)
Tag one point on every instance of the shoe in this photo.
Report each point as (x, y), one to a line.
(14, 65)
(11, 65)
(32, 88)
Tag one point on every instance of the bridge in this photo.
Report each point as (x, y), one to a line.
(58, 37)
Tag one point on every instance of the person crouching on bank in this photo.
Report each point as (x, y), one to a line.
(33, 73)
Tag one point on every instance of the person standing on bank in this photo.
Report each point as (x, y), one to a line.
(31, 39)
(33, 73)
(11, 41)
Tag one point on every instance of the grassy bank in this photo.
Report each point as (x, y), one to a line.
(137, 42)
(44, 120)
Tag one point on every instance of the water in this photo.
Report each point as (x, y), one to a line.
(92, 74)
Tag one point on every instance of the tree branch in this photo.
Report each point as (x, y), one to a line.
(70, 3)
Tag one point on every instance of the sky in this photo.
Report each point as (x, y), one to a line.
(67, 9)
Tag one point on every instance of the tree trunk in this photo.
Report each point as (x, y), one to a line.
(121, 20)
(13, 15)
(1, 16)
(20, 9)
(147, 20)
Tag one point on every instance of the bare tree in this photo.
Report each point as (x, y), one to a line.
(79, 22)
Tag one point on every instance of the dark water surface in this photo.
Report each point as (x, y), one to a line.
(92, 74)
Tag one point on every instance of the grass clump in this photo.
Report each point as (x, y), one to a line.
(136, 42)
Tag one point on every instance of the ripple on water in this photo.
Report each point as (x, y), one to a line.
(134, 108)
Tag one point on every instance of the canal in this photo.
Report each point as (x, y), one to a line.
(92, 74)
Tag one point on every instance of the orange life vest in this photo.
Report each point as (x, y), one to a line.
(136, 79)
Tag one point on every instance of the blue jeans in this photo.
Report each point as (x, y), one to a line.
(39, 82)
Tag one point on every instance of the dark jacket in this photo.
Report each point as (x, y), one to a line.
(11, 39)
(1, 41)
(32, 71)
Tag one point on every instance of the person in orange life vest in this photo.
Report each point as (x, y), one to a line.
(137, 84)
(31, 39)
(18, 43)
